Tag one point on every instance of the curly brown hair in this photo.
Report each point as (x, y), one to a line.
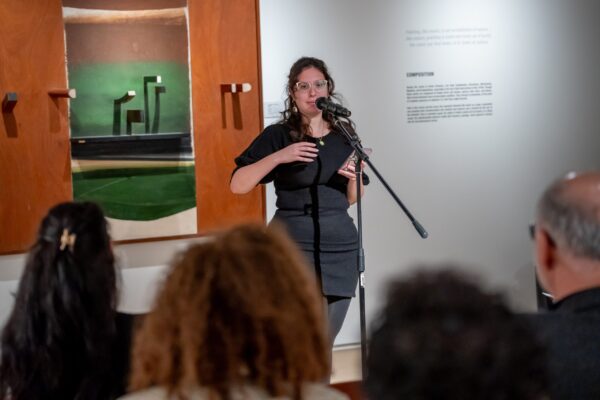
(242, 308)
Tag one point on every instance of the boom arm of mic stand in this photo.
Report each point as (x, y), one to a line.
(355, 143)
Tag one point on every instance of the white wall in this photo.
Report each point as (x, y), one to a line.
(472, 182)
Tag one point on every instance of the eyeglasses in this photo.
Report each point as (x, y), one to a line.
(319, 85)
(532, 231)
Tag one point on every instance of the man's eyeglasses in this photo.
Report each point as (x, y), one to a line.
(532, 231)
(319, 85)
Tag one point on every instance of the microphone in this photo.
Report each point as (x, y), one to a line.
(323, 104)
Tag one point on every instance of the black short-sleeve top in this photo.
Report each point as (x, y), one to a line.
(293, 181)
(309, 193)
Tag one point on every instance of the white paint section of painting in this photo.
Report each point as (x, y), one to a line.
(176, 224)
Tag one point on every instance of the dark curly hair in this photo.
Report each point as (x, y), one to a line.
(441, 337)
(57, 343)
(293, 119)
(242, 308)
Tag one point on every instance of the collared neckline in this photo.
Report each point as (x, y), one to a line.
(579, 301)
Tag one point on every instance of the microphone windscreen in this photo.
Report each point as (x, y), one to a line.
(321, 103)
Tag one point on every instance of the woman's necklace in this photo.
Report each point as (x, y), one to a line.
(320, 138)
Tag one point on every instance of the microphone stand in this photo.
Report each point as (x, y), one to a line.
(354, 141)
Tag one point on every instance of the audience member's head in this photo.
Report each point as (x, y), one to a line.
(62, 323)
(239, 309)
(440, 337)
(567, 235)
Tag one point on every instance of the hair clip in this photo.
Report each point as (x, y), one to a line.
(67, 239)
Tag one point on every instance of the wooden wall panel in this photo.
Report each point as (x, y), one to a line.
(35, 170)
(224, 46)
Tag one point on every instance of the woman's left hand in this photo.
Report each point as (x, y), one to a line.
(349, 170)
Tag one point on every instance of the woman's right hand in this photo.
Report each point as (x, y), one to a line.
(301, 151)
(246, 178)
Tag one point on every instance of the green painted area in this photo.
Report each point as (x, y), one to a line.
(138, 194)
(98, 85)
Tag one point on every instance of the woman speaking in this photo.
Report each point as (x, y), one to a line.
(304, 155)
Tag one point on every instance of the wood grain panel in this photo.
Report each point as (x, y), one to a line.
(224, 46)
(35, 170)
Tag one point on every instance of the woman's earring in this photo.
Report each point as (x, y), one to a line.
(294, 109)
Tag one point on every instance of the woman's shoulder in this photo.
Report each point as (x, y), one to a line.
(277, 130)
(274, 136)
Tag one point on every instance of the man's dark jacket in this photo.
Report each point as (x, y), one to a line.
(571, 332)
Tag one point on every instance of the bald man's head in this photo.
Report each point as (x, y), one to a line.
(570, 211)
